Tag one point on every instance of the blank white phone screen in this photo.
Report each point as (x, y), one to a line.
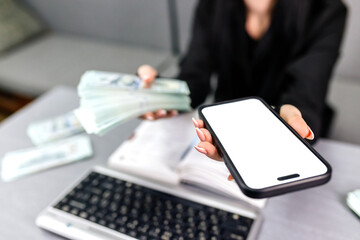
(259, 145)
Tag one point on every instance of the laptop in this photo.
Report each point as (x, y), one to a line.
(109, 204)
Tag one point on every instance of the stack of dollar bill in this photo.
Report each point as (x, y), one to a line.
(108, 99)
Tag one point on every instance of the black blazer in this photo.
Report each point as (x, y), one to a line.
(290, 64)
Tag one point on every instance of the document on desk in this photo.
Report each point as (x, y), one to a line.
(156, 148)
(26, 161)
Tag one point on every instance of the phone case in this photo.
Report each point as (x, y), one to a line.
(273, 190)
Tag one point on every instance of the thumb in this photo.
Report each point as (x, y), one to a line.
(293, 117)
(147, 73)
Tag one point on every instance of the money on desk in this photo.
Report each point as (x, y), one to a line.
(26, 161)
(108, 99)
(53, 129)
(353, 201)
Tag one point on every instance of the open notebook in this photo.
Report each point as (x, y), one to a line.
(163, 151)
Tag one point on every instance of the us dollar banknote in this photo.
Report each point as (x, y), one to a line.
(31, 160)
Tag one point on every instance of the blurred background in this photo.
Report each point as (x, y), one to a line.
(45, 43)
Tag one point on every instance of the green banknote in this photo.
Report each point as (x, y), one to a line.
(31, 160)
(109, 99)
(52, 129)
(126, 82)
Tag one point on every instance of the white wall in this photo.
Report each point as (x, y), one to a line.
(349, 63)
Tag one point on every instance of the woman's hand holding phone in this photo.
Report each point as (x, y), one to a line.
(289, 113)
(265, 152)
(148, 74)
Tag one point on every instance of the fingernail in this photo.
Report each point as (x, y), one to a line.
(200, 134)
(150, 117)
(310, 135)
(174, 112)
(201, 150)
(195, 122)
(162, 112)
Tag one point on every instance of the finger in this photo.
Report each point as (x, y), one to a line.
(149, 116)
(198, 123)
(300, 126)
(168, 114)
(204, 135)
(293, 117)
(173, 113)
(161, 113)
(209, 150)
(230, 177)
(147, 74)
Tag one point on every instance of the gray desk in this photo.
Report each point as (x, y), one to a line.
(318, 213)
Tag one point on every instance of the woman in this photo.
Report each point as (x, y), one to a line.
(281, 50)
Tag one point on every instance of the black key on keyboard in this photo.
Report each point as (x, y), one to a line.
(145, 213)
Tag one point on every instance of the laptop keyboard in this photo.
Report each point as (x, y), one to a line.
(144, 213)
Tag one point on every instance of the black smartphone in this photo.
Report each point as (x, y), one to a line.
(263, 153)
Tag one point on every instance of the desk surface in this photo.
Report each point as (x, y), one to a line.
(317, 213)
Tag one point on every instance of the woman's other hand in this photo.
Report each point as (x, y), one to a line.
(148, 74)
(288, 112)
